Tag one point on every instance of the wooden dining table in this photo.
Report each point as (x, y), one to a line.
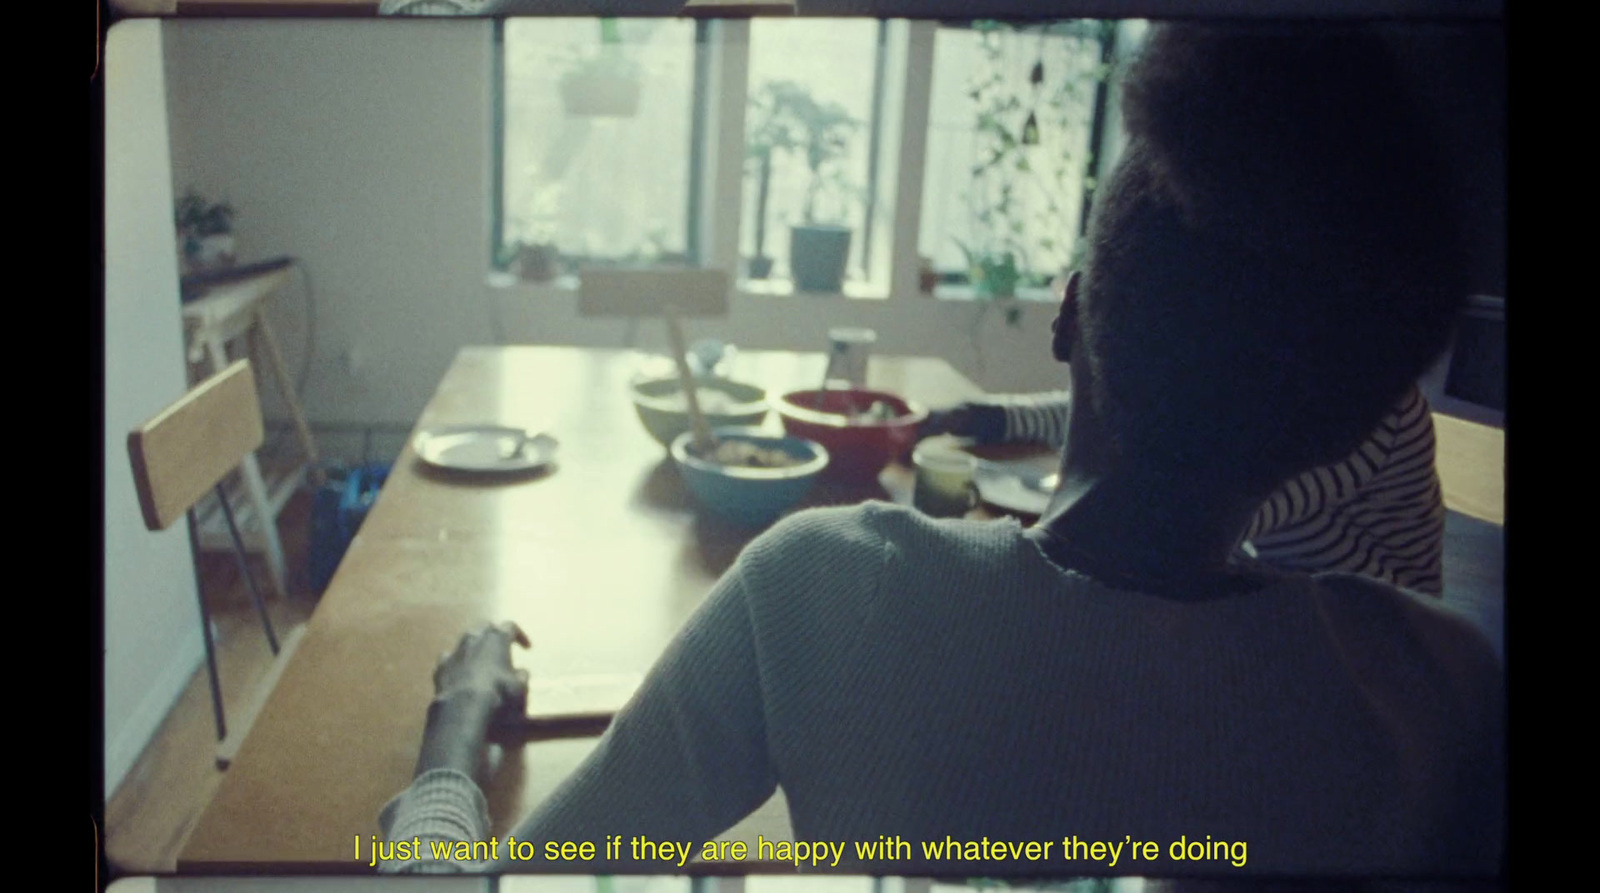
(600, 559)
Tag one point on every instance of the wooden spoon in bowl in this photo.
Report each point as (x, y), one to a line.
(705, 443)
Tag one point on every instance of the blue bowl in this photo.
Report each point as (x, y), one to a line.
(750, 497)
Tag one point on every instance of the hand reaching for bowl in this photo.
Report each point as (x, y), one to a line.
(981, 422)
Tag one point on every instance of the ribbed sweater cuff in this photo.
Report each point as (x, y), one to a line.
(441, 805)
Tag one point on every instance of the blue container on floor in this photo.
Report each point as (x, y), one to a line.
(340, 506)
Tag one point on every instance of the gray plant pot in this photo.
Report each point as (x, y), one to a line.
(817, 257)
(760, 267)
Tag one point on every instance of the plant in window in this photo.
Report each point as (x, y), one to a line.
(530, 248)
(1031, 132)
(772, 130)
(606, 84)
(819, 247)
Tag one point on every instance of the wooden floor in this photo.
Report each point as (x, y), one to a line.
(150, 815)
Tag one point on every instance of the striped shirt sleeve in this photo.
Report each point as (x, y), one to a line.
(1378, 513)
(1033, 418)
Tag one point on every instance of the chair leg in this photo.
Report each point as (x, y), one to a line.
(205, 630)
(244, 568)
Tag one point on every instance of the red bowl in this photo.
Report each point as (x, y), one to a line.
(859, 450)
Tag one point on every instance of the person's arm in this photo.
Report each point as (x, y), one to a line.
(687, 758)
(473, 684)
(1021, 418)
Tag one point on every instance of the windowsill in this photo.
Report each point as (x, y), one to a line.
(499, 279)
(754, 288)
(968, 293)
(861, 291)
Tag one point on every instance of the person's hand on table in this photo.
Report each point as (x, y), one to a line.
(981, 422)
(473, 685)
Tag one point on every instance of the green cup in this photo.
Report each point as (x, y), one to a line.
(945, 487)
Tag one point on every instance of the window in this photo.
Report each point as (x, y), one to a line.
(812, 166)
(1011, 123)
(595, 143)
(610, 149)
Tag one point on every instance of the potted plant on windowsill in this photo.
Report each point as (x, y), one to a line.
(531, 254)
(772, 130)
(605, 85)
(819, 247)
(994, 274)
(205, 233)
(536, 261)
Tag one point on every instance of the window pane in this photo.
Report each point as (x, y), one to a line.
(597, 135)
(1008, 145)
(809, 127)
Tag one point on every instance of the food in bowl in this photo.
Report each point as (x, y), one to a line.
(746, 454)
(664, 410)
(744, 494)
(878, 412)
(862, 440)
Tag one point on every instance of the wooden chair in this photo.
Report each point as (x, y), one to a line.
(186, 451)
(671, 294)
(641, 293)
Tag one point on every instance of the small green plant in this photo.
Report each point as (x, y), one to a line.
(786, 118)
(826, 130)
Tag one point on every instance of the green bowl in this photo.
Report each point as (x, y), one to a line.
(661, 408)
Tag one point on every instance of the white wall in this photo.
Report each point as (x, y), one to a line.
(152, 627)
(362, 147)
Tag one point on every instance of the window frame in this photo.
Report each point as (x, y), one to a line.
(901, 104)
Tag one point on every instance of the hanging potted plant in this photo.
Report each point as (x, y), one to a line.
(772, 130)
(205, 233)
(604, 85)
(819, 247)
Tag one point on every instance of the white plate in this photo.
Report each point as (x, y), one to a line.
(485, 448)
(1019, 490)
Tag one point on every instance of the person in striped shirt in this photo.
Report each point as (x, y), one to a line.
(1379, 512)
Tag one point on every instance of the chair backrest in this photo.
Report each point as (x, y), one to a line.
(1478, 355)
(648, 292)
(183, 452)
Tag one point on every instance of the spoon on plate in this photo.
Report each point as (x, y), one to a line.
(1039, 483)
(513, 449)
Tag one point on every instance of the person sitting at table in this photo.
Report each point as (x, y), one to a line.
(1270, 266)
(1378, 512)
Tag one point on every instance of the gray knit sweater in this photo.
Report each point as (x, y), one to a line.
(898, 675)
